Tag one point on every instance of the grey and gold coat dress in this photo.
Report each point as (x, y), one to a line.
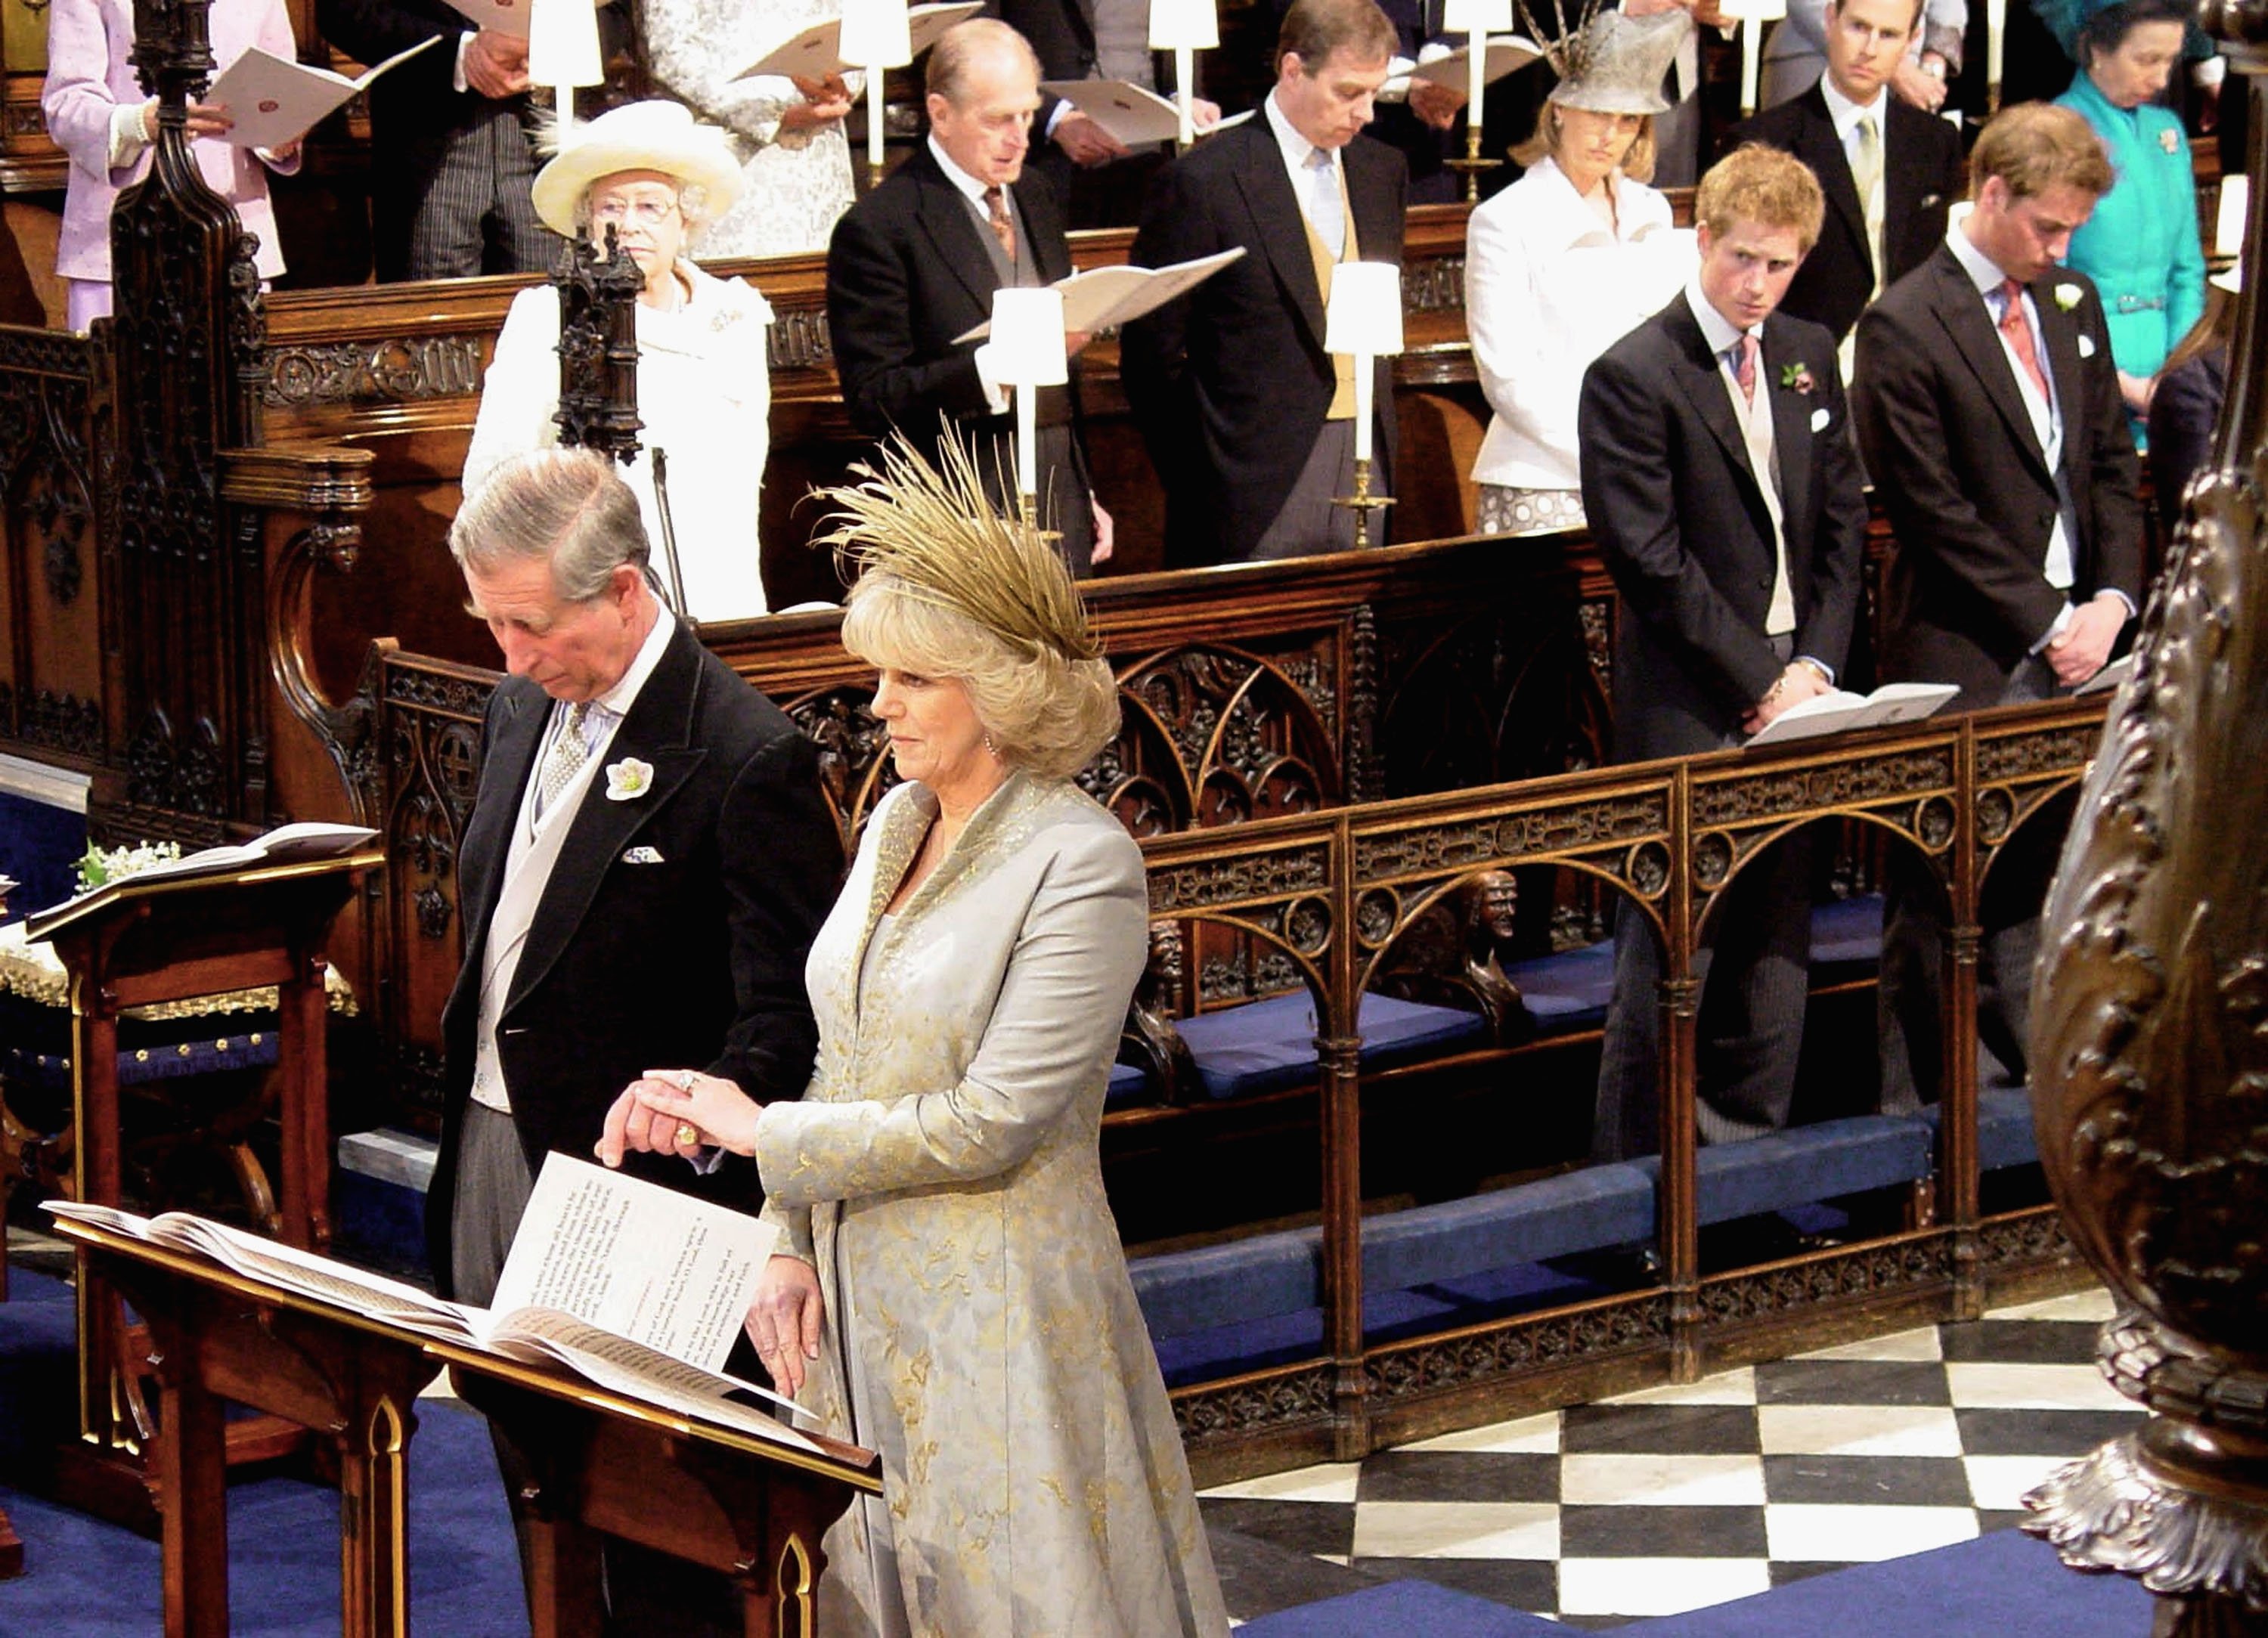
(942, 1174)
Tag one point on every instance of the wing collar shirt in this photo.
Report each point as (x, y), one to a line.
(2046, 415)
(535, 842)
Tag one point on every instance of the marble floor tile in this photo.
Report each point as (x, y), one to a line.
(2022, 1341)
(1331, 1481)
(2094, 1304)
(1848, 1534)
(1727, 1387)
(1902, 1347)
(1667, 1586)
(1985, 1432)
(1729, 1429)
(1456, 1530)
(1459, 1476)
(1877, 1430)
(1530, 1434)
(1654, 1532)
(1851, 1382)
(2033, 1387)
(1613, 1479)
(1999, 1483)
(1901, 1481)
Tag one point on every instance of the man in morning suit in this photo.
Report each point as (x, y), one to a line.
(1988, 409)
(1890, 171)
(914, 265)
(1249, 421)
(647, 860)
(451, 157)
(1720, 483)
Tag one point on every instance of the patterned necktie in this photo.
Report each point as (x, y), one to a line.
(565, 757)
(1004, 226)
(1866, 173)
(1744, 369)
(2018, 329)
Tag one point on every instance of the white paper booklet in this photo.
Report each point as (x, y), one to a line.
(274, 101)
(1101, 298)
(2110, 677)
(1835, 712)
(1129, 112)
(817, 51)
(637, 1288)
(1506, 53)
(502, 16)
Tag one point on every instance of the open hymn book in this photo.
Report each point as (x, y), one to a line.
(1100, 298)
(1833, 712)
(633, 1287)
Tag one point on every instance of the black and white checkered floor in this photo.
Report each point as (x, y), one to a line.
(1681, 1496)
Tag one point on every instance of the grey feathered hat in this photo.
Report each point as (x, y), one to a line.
(1611, 62)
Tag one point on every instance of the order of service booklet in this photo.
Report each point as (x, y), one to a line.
(1132, 113)
(815, 52)
(1832, 713)
(634, 1287)
(274, 101)
(1101, 298)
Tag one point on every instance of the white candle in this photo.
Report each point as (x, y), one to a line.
(2229, 224)
(1185, 75)
(874, 118)
(1477, 76)
(1365, 391)
(1996, 36)
(1751, 52)
(1027, 443)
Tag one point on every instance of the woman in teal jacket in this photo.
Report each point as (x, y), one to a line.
(2140, 246)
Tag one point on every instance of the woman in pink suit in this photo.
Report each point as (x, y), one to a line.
(96, 113)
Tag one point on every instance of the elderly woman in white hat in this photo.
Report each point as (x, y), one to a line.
(1568, 260)
(650, 173)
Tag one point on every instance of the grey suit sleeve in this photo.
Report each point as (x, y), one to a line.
(1061, 1004)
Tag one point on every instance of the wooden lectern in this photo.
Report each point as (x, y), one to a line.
(609, 1464)
(142, 941)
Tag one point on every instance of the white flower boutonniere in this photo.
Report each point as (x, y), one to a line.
(2066, 297)
(629, 779)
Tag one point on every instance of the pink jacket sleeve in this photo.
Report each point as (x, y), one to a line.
(78, 99)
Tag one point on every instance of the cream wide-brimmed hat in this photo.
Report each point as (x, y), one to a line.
(653, 135)
(1614, 63)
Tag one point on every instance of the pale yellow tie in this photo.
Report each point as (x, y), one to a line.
(565, 757)
(1866, 174)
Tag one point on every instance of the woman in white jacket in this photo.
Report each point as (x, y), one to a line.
(1566, 262)
(704, 388)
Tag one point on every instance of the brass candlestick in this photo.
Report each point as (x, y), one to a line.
(1362, 502)
(1472, 165)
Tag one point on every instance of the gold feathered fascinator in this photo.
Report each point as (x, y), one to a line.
(935, 535)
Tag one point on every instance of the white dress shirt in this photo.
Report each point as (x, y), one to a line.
(1301, 164)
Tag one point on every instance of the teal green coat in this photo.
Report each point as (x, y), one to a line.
(2140, 246)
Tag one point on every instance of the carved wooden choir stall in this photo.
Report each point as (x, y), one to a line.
(1360, 779)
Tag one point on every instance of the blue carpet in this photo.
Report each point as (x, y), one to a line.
(2005, 1584)
(1420, 1609)
(92, 1580)
(2001, 1585)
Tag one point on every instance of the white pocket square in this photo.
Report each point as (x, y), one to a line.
(642, 855)
(2087, 347)
(1819, 420)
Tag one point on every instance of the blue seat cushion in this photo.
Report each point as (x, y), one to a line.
(1847, 932)
(1823, 1161)
(1567, 992)
(2004, 1137)
(1588, 1209)
(1260, 1276)
(1266, 1046)
(1129, 1085)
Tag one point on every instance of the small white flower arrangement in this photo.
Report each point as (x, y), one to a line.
(2066, 297)
(629, 779)
(99, 866)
